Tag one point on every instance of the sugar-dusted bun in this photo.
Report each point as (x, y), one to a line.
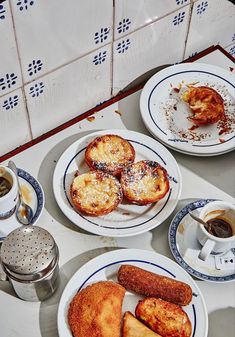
(206, 105)
(144, 182)
(109, 153)
(95, 193)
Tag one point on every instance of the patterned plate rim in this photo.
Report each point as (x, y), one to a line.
(39, 194)
(173, 246)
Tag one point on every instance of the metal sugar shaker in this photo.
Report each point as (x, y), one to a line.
(29, 258)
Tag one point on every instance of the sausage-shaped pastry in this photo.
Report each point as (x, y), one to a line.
(146, 283)
(165, 318)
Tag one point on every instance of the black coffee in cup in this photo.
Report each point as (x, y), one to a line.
(219, 228)
(5, 186)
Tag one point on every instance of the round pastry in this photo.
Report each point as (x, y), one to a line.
(109, 153)
(96, 310)
(95, 193)
(144, 182)
(206, 105)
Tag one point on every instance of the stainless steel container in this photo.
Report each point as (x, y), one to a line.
(29, 257)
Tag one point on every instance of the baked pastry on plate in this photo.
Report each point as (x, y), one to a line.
(144, 182)
(205, 103)
(165, 318)
(95, 193)
(97, 310)
(109, 153)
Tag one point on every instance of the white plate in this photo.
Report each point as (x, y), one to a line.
(33, 195)
(105, 267)
(127, 219)
(165, 114)
(185, 248)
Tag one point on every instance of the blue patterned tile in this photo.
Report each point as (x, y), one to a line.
(123, 25)
(101, 36)
(34, 67)
(8, 81)
(181, 2)
(99, 58)
(179, 18)
(202, 7)
(123, 46)
(193, 54)
(36, 89)
(232, 51)
(24, 4)
(233, 37)
(11, 102)
(2, 12)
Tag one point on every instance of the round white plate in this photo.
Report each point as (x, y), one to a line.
(105, 267)
(165, 114)
(33, 195)
(126, 219)
(185, 248)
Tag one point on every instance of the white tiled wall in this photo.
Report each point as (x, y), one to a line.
(60, 58)
(212, 21)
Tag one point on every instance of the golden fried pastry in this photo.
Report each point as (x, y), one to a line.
(96, 311)
(167, 319)
(95, 193)
(206, 105)
(132, 327)
(109, 153)
(146, 283)
(144, 182)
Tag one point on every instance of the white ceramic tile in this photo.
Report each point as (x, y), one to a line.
(130, 15)
(161, 42)
(14, 126)
(69, 91)
(52, 33)
(212, 22)
(10, 74)
(231, 49)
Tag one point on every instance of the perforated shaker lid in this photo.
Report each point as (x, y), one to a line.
(29, 253)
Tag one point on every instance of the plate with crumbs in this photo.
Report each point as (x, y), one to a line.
(33, 195)
(127, 219)
(169, 117)
(105, 267)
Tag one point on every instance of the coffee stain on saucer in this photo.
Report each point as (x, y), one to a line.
(26, 194)
(181, 228)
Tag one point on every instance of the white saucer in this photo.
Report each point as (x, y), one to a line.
(185, 248)
(33, 195)
(166, 116)
(127, 219)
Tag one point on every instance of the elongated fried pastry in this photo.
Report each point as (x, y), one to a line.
(146, 283)
(206, 105)
(96, 311)
(132, 327)
(167, 319)
(95, 193)
(144, 182)
(109, 153)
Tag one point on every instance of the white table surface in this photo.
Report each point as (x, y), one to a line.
(211, 177)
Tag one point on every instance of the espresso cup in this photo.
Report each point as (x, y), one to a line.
(215, 242)
(8, 192)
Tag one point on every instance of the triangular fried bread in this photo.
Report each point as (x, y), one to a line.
(132, 327)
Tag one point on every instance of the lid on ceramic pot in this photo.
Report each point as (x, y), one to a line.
(29, 253)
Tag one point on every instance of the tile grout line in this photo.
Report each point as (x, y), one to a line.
(189, 24)
(154, 21)
(84, 55)
(21, 70)
(112, 52)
